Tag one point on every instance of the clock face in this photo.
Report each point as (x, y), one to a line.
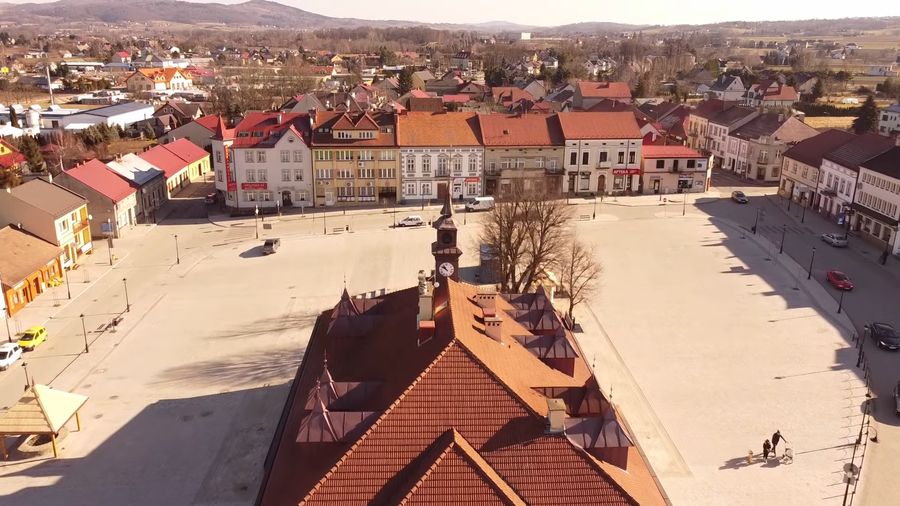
(447, 238)
(446, 269)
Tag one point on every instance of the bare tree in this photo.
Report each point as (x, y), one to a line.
(579, 271)
(527, 230)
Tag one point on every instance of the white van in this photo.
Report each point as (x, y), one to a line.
(480, 204)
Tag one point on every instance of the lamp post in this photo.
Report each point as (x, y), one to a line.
(324, 223)
(595, 208)
(27, 381)
(841, 302)
(811, 258)
(803, 213)
(68, 288)
(177, 253)
(278, 207)
(256, 220)
(127, 303)
(756, 223)
(684, 203)
(87, 348)
(783, 231)
(5, 315)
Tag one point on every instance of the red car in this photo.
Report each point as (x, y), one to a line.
(839, 280)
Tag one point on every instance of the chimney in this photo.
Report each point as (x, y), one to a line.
(426, 331)
(486, 297)
(556, 416)
(492, 327)
(426, 295)
(312, 118)
(279, 118)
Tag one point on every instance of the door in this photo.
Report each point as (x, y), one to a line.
(572, 183)
(656, 186)
(286, 199)
(329, 198)
(601, 185)
(442, 191)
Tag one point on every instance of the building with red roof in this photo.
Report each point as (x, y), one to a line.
(10, 157)
(447, 393)
(603, 152)
(522, 152)
(175, 169)
(588, 93)
(201, 131)
(674, 169)
(112, 198)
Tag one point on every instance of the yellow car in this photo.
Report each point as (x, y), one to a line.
(33, 337)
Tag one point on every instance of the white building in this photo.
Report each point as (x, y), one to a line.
(840, 170)
(754, 150)
(674, 169)
(603, 152)
(889, 121)
(265, 162)
(721, 125)
(440, 153)
(876, 207)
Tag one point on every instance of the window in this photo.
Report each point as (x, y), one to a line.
(367, 134)
(387, 155)
(302, 195)
(251, 176)
(323, 173)
(219, 175)
(426, 188)
(472, 189)
(261, 157)
(298, 156)
(660, 164)
(573, 158)
(367, 173)
(285, 156)
(443, 163)
(426, 165)
(218, 157)
(266, 196)
(621, 157)
(585, 157)
(366, 155)
(619, 182)
(262, 175)
(345, 174)
(691, 164)
(367, 191)
(631, 155)
(387, 173)
(411, 188)
(248, 156)
(805, 171)
(410, 166)
(457, 165)
(345, 191)
(298, 175)
(539, 162)
(344, 155)
(250, 196)
(285, 173)
(842, 186)
(584, 182)
(323, 156)
(342, 135)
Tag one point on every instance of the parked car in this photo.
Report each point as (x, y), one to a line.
(480, 204)
(411, 221)
(739, 197)
(884, 335)
(210, 198)
(271, 246)
(839, 280)
(897, 399)
(836, 240)
(9, 353)
(33, 337)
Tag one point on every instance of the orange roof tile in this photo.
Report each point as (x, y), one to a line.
(437, 129)
(599, 125)
(591, 89)
(520, 130)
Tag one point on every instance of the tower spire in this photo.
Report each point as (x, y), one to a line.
(447, 209)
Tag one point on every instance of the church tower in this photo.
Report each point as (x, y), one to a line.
(445, 251)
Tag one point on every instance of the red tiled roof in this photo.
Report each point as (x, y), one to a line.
(507, 95)
(669, 151)
(520, 130)
(186, 150)
(456, 99)
(95, 174)
(162, 158)
(591, 89)
(264, 127)
(599, 125)
(437, 129)
(11, 159)
(328, 121)
(210, 122)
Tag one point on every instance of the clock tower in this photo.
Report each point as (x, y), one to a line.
(446, 253)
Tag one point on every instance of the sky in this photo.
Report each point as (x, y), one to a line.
(544, 13)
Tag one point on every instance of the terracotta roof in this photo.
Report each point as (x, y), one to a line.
(163, 74)
(592, 89)
(506, 95)
(669, 151)
(186, 150)
(437, 129)
(328, 121)
(860, 150)
(599, 125)
(520, 130)
(51, 198)
(23, 254)
(455, 99)
(265, 128)
(810, 151)
(731, 115)
(95, 174)
(709, 108)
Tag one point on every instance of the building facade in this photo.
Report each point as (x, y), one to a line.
(674, 169)
(522, 153)
(801, 164)
(440, 153)
(148, 180)
(112, 200)
(603, 152)
(839, 173)
(889, 121)
(877, 203)
(722, 124)
(754, 150)
(27, 267)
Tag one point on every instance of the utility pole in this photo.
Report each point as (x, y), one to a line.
(756, 223)
(256, 220)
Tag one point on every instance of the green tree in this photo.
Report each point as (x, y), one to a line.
(13, 117)
(32, 152)
(868, 117)
(405, 82)
(818, 90)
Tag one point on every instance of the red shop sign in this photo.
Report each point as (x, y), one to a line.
(254, 186)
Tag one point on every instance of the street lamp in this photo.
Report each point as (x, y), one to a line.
(177, 254)
(841, 302)
(324, 223)
(127, 304)
(256, 220)
(68, 288)
(811, 258)
(756, 223)
(27, 381)
(684, 203)
(783, 231)
(595, 208)
(803, 213)
(87, 348)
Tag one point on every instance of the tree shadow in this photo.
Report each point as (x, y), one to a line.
(273, 326)
(262, 366)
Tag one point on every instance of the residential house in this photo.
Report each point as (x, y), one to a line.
(588, 93)
(421, 78)
(889, 121)
(147, 179)
(672, 119)
(450, 83)
(159, 79)
(876, 205)
(111, 198)
(180, 160)
(603, 152)
(49, 211)
(304, 102)
(674, 169)
(770, 94)
(265, 162)
(536, 89)
(506, 96)
(698, 122)
(721, 125)
(184, 112)
(438, 393)
(200, 132)
(10, 157)
(355, 158)
(839, 173)
(800, 166)
(522, 153)
(754, 150)
(27, 267)
(727, 88)
(440, 153)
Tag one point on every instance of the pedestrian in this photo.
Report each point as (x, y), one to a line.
(767, 447)
(776, 438)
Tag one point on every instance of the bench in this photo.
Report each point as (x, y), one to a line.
(337, 230)
(585, 217)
